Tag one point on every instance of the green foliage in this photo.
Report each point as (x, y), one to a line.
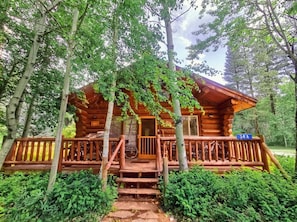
(288, 163)
(189, 194)
(75, 197)
(69, 131)
(200, 195)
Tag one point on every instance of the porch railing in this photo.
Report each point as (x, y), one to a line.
(207, 151)
(217, 151)
(74, 151)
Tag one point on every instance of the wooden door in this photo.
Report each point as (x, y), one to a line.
(147, 138)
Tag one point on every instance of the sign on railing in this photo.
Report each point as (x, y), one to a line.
(244, 136)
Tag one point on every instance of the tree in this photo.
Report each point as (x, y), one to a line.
(232, 70)
(271, 20)
(58, 140)
(166, 16)
(14, 103)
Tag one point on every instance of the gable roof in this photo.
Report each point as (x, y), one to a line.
(210, 93)
(219, 95)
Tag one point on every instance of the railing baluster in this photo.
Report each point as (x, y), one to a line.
(190, 150)
(216, 151)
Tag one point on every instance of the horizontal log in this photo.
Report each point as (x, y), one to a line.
(210, 121)
(218, 163)
(216, 131)
(28, 162)
(210, 126)
(208, 138)
(28, 167)
(80, 162)
(36, 139)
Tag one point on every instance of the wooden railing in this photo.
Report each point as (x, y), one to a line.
(75, 151)
(217, 151)
(85, 150)
(147, 146)
(31, 150)
(207, 151)
(118, 152)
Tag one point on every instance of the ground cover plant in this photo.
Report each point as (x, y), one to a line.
(200, 195)
(75, 197)
(288, 163)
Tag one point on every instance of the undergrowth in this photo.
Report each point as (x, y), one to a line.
(287, 162)
(75, 197)
(200, 195)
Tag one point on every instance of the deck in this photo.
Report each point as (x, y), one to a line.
(138, 176)
(86, 153)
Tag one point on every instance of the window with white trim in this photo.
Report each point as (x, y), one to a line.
(190, 126)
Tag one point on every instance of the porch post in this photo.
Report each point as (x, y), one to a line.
(158, 154)
(264, 154)
(61, 155)
(122, 152)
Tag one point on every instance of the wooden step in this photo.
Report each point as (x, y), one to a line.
(139, 171)
(144, 191)
(137, 180)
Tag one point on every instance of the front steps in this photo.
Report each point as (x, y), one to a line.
(138, 182)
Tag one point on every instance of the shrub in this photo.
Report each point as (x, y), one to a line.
(199, 195)
(75, 197)
(190, 194)
(288, 163)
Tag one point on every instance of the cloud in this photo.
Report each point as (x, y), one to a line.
(185, 42)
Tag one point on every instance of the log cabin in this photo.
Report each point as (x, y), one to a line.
(138, 148)
(219, 105)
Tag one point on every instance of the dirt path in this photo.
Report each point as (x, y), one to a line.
(134, 210)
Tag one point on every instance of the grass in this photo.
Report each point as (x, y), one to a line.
(281, 150)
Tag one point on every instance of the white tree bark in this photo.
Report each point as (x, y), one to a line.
(182, 157)
(109, 115)
(11, 111)
(58, 141)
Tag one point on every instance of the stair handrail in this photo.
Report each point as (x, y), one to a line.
(272, 157)
(120, 147)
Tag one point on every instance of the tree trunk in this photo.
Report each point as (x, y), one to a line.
(182, 157)
(285, 141)
(11, 111)
(58, 141)
(103, 170)
(29, 118)
(295, 80)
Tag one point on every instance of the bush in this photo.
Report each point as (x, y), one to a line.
(75, 197)
(190, 194)
(199, 195)
(288, 163)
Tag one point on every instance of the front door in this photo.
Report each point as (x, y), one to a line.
(147, 138)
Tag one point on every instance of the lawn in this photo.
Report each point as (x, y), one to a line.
(281, 150)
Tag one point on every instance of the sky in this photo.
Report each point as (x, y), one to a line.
(183, 37)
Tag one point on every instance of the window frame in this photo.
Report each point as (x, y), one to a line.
(188, 118)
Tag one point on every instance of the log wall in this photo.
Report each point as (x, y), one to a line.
(212, 121)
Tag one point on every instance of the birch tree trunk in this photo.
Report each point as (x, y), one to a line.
(29, 118)
(182, 157)
(109, 115)
(14, 103)
(58, 141)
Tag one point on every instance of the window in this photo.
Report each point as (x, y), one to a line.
(190, 125)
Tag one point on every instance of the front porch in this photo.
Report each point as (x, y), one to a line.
(138, 176)
(216, 153)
